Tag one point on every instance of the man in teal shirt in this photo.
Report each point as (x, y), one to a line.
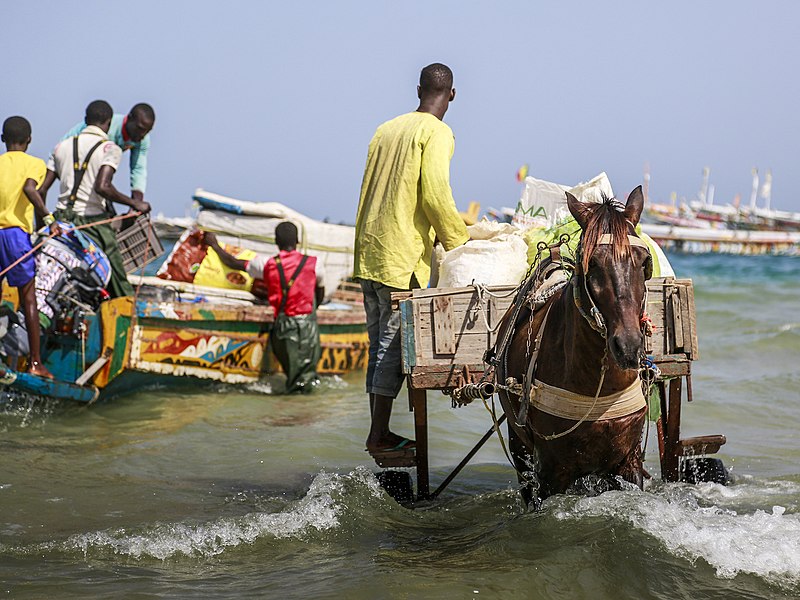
(130, 132)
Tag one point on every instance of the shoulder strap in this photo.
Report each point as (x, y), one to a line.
(79, 169)
(286, 286)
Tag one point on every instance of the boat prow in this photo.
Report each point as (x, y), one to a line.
(50, 388)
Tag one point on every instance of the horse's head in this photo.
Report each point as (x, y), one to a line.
(612, 269)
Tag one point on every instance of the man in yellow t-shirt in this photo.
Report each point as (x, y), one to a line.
(20, 175)
(406, 203)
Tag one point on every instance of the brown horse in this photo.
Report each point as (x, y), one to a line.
(586, 409)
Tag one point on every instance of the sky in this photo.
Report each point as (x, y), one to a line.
(277, 101)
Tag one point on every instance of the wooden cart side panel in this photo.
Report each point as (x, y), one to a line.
(407, 336)
(690, 320)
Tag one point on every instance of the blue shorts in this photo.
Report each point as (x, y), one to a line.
(384, 368)
(14, 244)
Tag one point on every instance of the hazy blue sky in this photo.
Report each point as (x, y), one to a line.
(278, 101)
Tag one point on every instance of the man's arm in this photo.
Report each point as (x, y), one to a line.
(106, 189)
(49, 179)
(437, 197)
(139, 168)
(227, 259)
(319, 294)
(39, 206)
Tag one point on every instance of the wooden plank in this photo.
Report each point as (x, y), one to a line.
(694, 353)
(444, 335)
(677, 316)
(704, 444)
(407, 339)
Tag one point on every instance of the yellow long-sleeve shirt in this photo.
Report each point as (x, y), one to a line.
(406, 201)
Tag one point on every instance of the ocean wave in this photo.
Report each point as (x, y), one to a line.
(764, 541)
(320, 510)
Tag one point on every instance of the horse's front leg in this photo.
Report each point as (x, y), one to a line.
(523, 463)
(631, 469)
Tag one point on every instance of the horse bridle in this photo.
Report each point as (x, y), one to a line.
(594, 317)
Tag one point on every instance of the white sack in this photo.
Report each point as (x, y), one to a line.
(496, 255)
(544, 204)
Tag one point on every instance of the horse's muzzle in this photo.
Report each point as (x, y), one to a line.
(626, 349)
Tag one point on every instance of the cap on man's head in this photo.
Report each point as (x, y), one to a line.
(286, 235)
(16, 130)
(98, 112)
(436, 78)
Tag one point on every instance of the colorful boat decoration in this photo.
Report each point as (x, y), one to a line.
(127, 345)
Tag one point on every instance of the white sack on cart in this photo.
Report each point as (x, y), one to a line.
(495, 255)
(544, 204)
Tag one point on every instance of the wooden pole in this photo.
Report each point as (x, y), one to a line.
(673, 429)
(419, 401)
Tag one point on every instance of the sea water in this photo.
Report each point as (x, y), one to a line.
(221, 492)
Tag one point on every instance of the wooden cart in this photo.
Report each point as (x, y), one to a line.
(445, 333)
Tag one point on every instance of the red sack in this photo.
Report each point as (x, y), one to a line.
(185, 259)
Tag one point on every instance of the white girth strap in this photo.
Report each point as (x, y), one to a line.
(569, 405)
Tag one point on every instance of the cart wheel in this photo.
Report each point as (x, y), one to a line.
(703, 469)
(398, 485)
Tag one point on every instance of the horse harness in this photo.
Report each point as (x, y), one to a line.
(611, 406)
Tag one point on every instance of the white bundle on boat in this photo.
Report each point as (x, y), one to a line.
(252, 225)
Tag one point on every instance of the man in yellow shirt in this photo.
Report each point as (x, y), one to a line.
(406, 203)
(20, 175)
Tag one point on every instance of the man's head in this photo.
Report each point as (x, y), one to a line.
(436, 81)
(99, 114)
(16, 133)
(140, 121)
(286, 235)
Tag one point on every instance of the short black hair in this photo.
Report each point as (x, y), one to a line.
(143, 110)
(98, 112)
(16, 130)
(286, 235)
(436, 78)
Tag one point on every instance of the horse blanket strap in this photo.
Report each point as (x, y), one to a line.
(522, 416)
(287, 285)
(79, 169)
(569, 405)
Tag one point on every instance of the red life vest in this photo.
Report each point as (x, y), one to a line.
(301, 294)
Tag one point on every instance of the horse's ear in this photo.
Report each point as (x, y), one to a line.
(634, 206)
(578, 209)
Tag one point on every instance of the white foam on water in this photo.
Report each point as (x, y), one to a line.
(318, 510)
(259, 387)
(764, 542)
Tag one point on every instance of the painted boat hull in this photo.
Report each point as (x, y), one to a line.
(128, 345)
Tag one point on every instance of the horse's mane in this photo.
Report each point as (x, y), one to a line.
(605, 217)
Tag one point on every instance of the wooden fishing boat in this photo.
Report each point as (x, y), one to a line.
(132, 343)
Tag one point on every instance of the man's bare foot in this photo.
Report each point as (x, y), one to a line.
(39, 370)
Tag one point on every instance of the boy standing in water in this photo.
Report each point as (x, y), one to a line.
(20, 175)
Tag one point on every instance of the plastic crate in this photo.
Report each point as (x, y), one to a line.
(138, 244)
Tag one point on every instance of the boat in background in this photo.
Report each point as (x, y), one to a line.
(702, 226)
(171, 332)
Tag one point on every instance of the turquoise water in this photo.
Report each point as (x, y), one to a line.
(240, 493)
